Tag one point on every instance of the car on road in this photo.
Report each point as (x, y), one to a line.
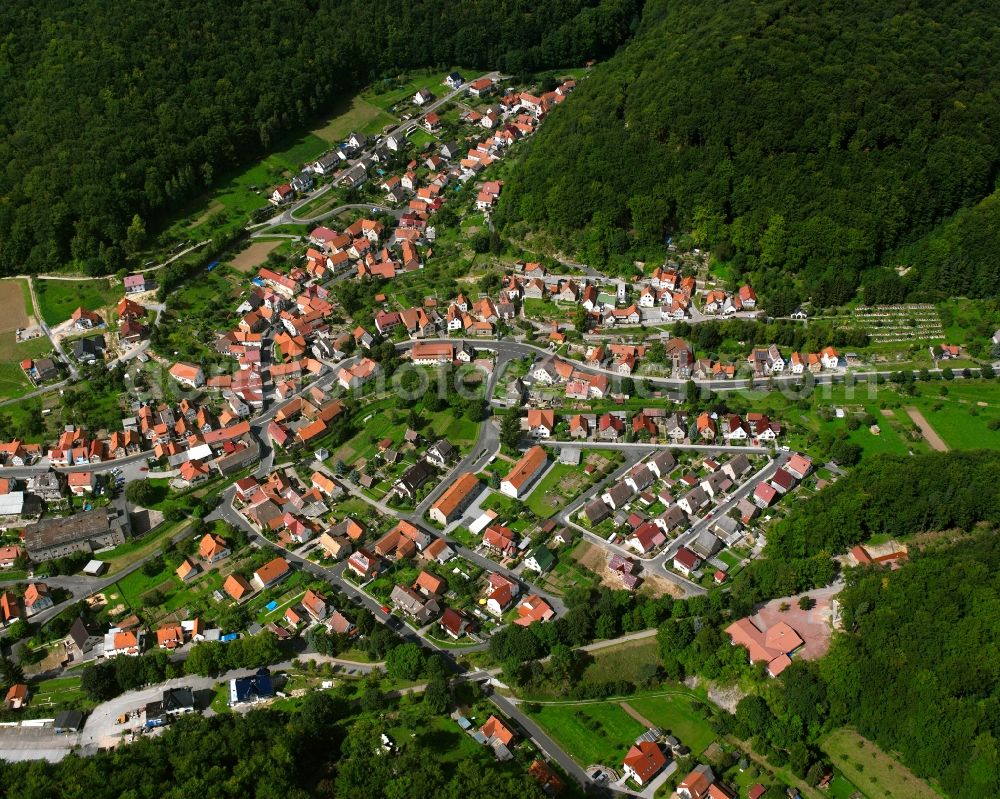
(385, 610)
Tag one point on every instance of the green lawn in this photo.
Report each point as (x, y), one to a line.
(562, 484)
(137, 548)
(874, 772)
(961, 417)
(597, 733)
(622, 662)
(443, 735)
(677, 714)
(359, 115)
(56, 691)
(545, 498)
(59, 298)
(136, 585)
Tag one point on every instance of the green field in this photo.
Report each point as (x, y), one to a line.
(135, 586)
(13, 381)
(595, 733)
(359, 116)
(622, 662)
(57, 691)
(545, 499)
(57, 299)
(961, 417)
(874, 772)
(675, 713)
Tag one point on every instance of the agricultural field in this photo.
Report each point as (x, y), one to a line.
(57, 299)
(874, 772)
(247, 261)
(15, 304)
(961, 417)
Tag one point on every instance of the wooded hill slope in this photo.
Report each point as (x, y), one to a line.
(109, 111)
(796, 138)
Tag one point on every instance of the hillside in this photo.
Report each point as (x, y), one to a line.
(807, 138)
(105, 115)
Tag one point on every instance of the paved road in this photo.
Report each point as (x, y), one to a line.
(518, 349)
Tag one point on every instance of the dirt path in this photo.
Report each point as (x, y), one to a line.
(636, 715)
(929, 433)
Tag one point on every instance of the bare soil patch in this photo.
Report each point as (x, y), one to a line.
(928, 432)
(12, 313)
(636, 715)
(656, 586)
(213, 208)
(590, 556)
(253, 256)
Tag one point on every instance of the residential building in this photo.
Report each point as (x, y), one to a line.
(525, 471)
(271, 573)
(453, 502)
(644, 761)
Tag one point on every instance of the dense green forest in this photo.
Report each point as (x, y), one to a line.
(893, 495)
(889, 495)
(105, 114)
(916, 669)
(268, 754)
(813, 139)
(915, 666)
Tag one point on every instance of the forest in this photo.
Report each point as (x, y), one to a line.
(107, 115)
(895, 496)
(820, 140)
(915, 670)
(323, 749)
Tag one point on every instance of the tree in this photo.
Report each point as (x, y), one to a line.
(140, 492)
(564, 664)
(10, 672)
(17, 630)
(510, 429)
(203, 660)
(135, 236)
(100, 682)
(405, 662)
(845, 453)
(436, 696)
